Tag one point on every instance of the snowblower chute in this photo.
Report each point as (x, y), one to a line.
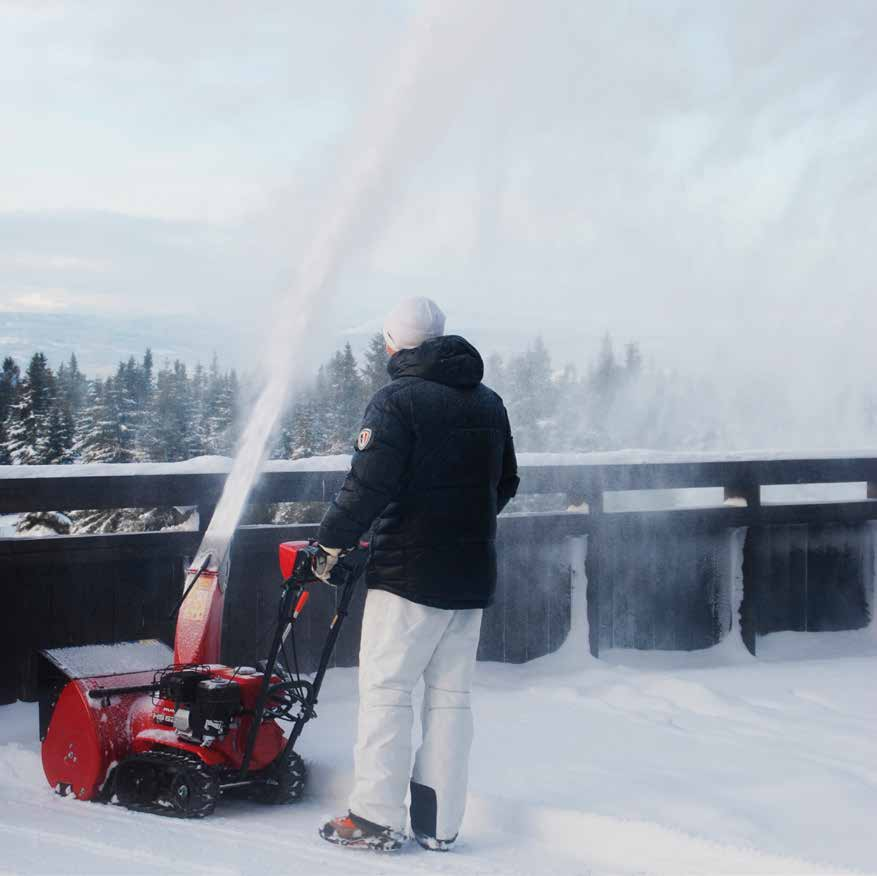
(168, 732)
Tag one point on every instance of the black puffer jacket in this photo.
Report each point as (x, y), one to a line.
(433, 466)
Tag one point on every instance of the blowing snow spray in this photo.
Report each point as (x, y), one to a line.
(167, 732)
(417, 98)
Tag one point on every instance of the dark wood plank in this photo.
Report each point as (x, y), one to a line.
(670, 566)
(749, 604)
(16, 629)
(491, 645)
(704, 597)
(623, 607)
(724, 604)
(836, 598)
(519, 579)
(558, 601)
(600, 576)
(687, 589)
(545, 561)
(783, 597)
(798, 548)
(758, 585)
(97, 603)
(68, 607)
(594, 595)
(245, 634)
(647, 576)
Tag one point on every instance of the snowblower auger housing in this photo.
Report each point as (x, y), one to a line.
(135, 724)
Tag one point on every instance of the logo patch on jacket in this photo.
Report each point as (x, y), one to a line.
(364, 439)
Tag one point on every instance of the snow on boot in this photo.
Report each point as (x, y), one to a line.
(357, 833)
(432, 844)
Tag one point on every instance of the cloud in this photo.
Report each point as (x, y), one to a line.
(55, 300)
(93, 261)
(180, 113)
(36, 261)
(36, 302)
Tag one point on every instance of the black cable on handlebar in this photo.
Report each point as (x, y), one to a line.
(351, 570)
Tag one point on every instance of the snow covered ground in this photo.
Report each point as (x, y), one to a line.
(709, 763)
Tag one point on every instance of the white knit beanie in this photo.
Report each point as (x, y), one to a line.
(413, 321)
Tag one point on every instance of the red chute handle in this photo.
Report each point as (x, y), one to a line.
(302, 602)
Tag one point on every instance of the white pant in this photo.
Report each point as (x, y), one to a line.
(402, 642)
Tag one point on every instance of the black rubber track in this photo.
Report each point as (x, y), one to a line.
(284, 786)
(165, 782)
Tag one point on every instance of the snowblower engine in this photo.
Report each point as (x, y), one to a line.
(200, 706)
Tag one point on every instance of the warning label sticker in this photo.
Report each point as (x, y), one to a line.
(197, 603)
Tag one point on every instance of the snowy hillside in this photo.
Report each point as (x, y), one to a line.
(706, 763)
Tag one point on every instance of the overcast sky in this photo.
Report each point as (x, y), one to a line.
(699, 175)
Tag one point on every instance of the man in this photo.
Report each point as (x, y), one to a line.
(434, 464)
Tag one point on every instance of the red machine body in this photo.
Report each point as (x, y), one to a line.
(85, 739)
(186, 703)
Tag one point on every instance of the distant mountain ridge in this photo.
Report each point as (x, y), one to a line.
(100, 342)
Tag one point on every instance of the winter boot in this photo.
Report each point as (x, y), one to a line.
(357, 833)
(430, 843)
(424, 818)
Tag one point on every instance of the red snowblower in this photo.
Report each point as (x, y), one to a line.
(170, 740)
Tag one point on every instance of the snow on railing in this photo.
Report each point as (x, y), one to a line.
(210, 465)
(217, 465)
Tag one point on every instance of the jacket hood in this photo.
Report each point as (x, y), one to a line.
(450, 360)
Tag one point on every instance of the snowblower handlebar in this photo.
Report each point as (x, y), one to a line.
(296, 566)
(298, 561)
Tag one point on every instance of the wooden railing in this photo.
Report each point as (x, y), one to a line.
(670, 578)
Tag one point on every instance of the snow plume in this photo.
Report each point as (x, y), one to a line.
(410, 108)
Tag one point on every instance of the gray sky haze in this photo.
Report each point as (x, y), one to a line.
(698, 175)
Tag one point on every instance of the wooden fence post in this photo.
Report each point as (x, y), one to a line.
(749, 605)
(593, 572)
